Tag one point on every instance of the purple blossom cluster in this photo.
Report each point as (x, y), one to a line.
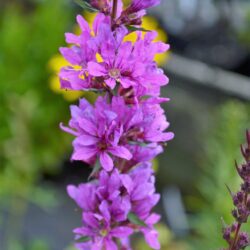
(100, 60)
(236, 239)
(112, 131)
(122, 131)
(108, 205)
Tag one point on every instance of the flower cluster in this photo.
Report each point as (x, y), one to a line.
(115, 129)
(99, 59)
(232, 234)
(122, 131)
(110, 204)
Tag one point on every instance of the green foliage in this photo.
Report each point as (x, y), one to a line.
(222, 149)
(133, 218)
(31, 142)
(85, 5)
(30, 113)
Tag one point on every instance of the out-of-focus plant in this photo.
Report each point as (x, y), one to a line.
(233, 235)
(57, 61)
(244, 33)
(222, 148)
(30, 141)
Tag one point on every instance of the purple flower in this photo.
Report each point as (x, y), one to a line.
(76, 76)
(107, 130)
(100, 211)
(129, 64)
(106, 204)
(97, 133)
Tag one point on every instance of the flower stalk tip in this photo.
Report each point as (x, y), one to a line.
(233, 235)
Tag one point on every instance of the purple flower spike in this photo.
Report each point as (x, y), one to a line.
(123, 130)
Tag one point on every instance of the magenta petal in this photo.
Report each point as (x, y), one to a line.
(121, 232)
(151, 238)
(104, 209)
(96, 69)
(90, 220)
(121, 152)
(168, 136)
(126, 82)
(84, 231)
(153, 219)
(139, 70)
(72, 191)
(157, 78)
(68, 130)
(83, 153)
(70, 56)
(106, 161)
(83, 23)
(71, 38)
(64, 84)
(109, 245)
(86, 140)
(111, 82)
(88, 126)
(99, 19)
(127, 182)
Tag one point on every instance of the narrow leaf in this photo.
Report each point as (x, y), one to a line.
(133, 218)
(134, 28)
(95, 170)
(83, 239)
(229, 190)
(85, 5)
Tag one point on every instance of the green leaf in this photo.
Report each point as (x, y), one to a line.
(95, 170)
(85, 5)
(133, 218)
(134, 28)
(83, 239)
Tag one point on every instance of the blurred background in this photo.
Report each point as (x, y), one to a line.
(209, 69)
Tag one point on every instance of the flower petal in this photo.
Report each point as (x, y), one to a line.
(106, 161)
(151, 238)
(70, 56)
(86, 140)
(96, 69)
(83, 23)
(68, 130)
(121, 152)
(121, 232)
(88, 126)
(83, 153)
